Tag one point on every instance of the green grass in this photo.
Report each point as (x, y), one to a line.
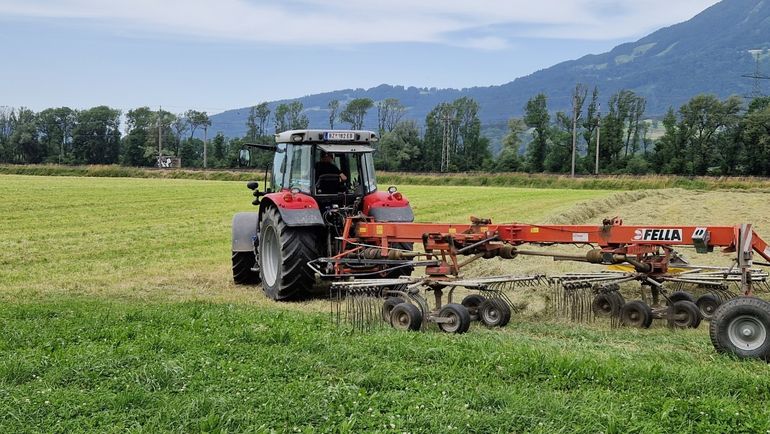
(118, 314)
(73, 365)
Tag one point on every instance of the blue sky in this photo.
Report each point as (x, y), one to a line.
(218, 55)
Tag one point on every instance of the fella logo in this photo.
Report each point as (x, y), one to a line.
(658, 235)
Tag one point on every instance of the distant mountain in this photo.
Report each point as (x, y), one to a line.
(707, 54)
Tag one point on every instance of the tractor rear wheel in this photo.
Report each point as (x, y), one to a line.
(243, 269)
(405, 317)
(458, 316)
(684, 314)
(741, 327)
(283, 255)
(636, 314)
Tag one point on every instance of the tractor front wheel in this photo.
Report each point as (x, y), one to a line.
(284, 252)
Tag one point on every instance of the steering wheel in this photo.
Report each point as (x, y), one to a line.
(327, 180)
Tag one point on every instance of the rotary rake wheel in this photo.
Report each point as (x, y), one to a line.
(689, 296)
(404, 303)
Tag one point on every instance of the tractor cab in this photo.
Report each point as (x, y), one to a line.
(334, 167)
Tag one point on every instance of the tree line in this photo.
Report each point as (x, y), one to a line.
(705, 136)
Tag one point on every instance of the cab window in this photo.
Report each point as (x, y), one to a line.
(279, 166)
(301, 159)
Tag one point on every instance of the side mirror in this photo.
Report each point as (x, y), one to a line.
(252, 185)
(244, 158)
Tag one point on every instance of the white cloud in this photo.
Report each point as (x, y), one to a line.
(474, 24)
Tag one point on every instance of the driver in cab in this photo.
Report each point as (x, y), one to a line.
(325, 173)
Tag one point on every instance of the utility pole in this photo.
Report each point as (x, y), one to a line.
(160, 135)
(598, 134)
(574, 131)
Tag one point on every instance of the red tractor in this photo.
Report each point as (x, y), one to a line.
(319, 178)
(323, 218)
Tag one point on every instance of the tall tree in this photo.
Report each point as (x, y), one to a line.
(334, 108)
(590, 128)
(399, 149)
(140, 145)
(96, 138)
(257, 121)
(756, 139)
(389, 113)
(509, 159)
(24, 138)
(195, 119)
(536, 116)
(701, 119)
(290, 117)
(355, 112)
(458, 121)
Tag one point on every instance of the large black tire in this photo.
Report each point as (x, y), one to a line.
(405, 317)
(283, 255)
(741, 327)
(388, 305)
(708, 304)
(460, 318)
(494, 313)
(684, 314)
(636, 314)
(243, 273)
(680, 296)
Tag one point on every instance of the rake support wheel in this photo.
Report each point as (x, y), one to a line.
(406, 317)
(473, 302)
(284, 252)
(494, 313)
(459, 319)
(684, 314)
(741, 327)
(636, 314)
(607, 304)
(708, 304)
(388, 306)
(680, 296)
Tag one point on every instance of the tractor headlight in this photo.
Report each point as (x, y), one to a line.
(392, 189)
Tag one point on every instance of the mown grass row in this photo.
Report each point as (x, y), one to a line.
(526, 180)
(75, 364)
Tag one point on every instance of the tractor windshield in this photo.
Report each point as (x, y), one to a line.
(350, 173)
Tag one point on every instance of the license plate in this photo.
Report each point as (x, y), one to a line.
(334, 135)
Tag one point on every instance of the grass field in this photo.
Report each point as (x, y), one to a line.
(118, 314)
